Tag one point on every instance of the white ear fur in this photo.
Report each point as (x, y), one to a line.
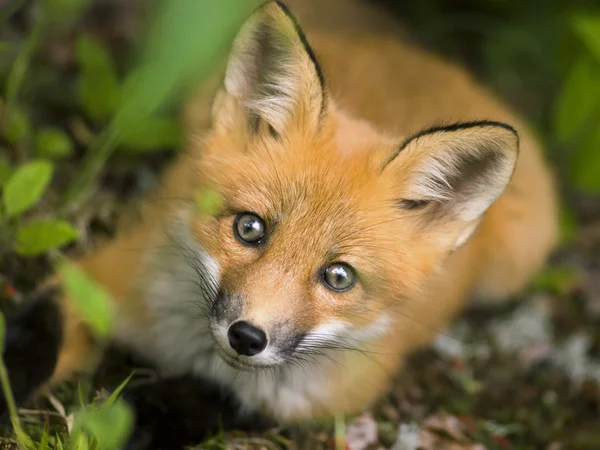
(458, 170)
(272, 70)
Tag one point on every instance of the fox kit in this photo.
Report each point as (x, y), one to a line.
(366, 190)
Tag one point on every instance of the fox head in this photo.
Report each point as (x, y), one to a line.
(326, 225)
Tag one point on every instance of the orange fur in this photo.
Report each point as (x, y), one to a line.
(318, 183)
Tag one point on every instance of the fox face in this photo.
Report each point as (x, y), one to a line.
(326, 227)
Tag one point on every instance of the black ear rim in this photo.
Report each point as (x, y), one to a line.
(307, 47)
(451, 127)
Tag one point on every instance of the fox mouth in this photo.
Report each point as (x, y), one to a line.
(236, 363)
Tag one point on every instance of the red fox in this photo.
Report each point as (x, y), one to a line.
(367, 190)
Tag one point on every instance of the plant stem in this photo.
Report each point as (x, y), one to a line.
(20, 66)
(16, 77)
(98, 153)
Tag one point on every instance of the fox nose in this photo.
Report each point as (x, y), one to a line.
(246, 339)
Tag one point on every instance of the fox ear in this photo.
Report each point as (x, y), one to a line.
(454, 173)
(272, 71)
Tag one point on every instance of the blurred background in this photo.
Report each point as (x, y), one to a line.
(90, 92)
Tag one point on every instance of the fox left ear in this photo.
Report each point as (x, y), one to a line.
(273, 72)
(454, 173)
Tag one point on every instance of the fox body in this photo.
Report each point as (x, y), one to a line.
(367, 190)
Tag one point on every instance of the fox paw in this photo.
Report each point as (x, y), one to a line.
(32, 343)
(175, 412)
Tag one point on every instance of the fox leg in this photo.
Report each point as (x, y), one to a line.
(184, 410)
(34, 336)
(44, 344)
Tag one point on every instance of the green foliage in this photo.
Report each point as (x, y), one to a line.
(44, 235)
(107, 426)
(17, 127)
(53, 143)
(578, 100)
(558, 279)
(26, 186)
(184, 41)
(98, 86)
(5, 169)
(577, 114)
(91, 300)
(209, 202)
(587, 28)
(62, 12)
(152, 133)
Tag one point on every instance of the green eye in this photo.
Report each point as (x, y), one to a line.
(339, 277)
(249, 228)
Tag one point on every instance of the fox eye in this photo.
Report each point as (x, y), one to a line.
(339, 277)
(249, 228)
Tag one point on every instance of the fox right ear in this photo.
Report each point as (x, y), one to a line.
(272, 71)
(454, 173)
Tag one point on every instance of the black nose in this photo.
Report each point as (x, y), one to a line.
(246, 339)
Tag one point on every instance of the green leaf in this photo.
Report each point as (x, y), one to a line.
(26, 186)
(115, 395)
(568, 225)
(209, 202)
(53, 143)
(98, 85)
(110, 425)
(62, 11)
(5, 169)
(585, 163)
(17, 126)
(578, 100)
(43, 445)
(40, 236)
(152, 133)
(558, 279)
(587, 27)
(92, 301)
(184, 41)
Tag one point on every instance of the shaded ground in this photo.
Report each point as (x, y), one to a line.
(525, 375)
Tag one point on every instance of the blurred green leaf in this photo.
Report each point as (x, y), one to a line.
(92, 301)
(585, 163)
(110, 425)
(53, 143)
(587, 27)
(62, 11)
(16, 126)
(568, 225)
(578, 101)
(559, 279)
(98, 84)
(43, 235)
(26, 186)
(185, 41)
(5, 169)
(152, 133)
(209, 202)
(43, 445)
